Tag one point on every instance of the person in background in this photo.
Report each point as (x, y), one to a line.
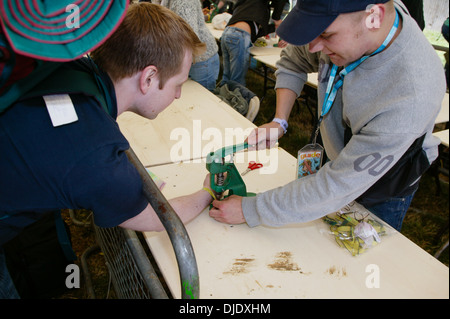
(250, 20)
(444, 31)
(206, 67)
(415, 8)
(226, 6)
(377, 109)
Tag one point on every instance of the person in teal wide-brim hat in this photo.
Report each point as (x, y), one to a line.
(59, 30)
(36, 36)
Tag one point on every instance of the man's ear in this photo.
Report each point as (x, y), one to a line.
(147, 78)
(375, 17)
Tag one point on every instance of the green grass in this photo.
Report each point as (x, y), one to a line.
(429, 212)
(437, 38)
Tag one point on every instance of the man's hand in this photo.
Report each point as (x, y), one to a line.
(277, 23)
(282, 44)
(265, 136)
(228, 211)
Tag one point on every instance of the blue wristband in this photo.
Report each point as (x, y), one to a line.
(283, 123)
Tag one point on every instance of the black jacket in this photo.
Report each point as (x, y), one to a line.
(258, 11)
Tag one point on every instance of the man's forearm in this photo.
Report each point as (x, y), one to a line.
(285, 101)
(187, 208)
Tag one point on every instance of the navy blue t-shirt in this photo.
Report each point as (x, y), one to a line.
(77, 165)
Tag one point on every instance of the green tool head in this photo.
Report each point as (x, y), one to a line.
(232, 180)
(219, 155)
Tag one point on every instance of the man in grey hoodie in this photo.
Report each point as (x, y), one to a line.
(376, 124)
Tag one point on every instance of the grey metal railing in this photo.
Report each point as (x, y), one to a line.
(132, 274)
(178, 235)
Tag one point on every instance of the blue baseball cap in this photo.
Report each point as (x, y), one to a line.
(310, 18)
(59, 30)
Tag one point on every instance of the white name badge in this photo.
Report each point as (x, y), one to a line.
(61, 109)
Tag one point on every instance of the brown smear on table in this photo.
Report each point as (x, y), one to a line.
(283, 262)
(240, 266)
(335, 271)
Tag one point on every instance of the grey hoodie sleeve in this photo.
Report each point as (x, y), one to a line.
(293, 67)
(336, 184)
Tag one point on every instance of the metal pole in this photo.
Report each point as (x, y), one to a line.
(178, 235)
(148, 273)
(85, 268)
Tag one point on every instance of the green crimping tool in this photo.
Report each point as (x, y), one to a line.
(224, 175)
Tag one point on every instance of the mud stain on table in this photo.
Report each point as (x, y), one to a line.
(240, 266)
(283, 262)
(336, 271)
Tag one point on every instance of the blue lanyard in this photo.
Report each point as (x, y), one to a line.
(331, 91)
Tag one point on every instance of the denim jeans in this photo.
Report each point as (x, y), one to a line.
(206, 72)
(235, 45)
(393, 210)
(7, 288)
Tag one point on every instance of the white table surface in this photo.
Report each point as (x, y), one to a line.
(443, 136)
(443, 115)
(191, 127)
(271, 60)
(295, 261)
(267, 50)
